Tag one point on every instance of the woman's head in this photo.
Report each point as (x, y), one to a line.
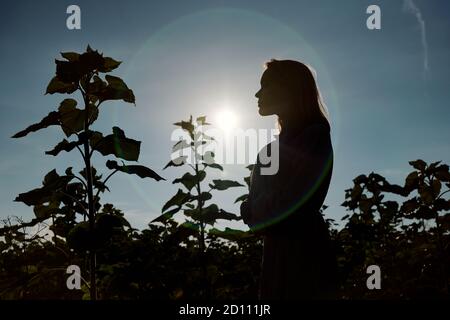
(289, 90)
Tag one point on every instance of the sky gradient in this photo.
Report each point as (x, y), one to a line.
(386, 90)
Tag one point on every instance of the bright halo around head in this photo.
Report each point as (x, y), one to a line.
(226, 119)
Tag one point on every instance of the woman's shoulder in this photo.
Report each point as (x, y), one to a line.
(317, 128)
(315, 137)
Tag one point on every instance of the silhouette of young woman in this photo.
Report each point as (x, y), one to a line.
(298, 259)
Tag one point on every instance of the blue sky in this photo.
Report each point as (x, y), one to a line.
(188, 57)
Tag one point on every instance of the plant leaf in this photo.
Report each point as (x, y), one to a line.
(166, 216)
(230, 234)
(180, 145)
(50, 120)
(241, 198)
(63, 146)
(51, 185)
(42, 211)
(138, 170)
(178, 200)
(189, 180)
(211, 213)
(109, 64)
(72, 119)
(201, 121)
(219, 184)
(176, 162)
(118, 145)
(70, 56)
(204, 196)
(418, 164)
(58, 86)
(214, 165)
(116, 90)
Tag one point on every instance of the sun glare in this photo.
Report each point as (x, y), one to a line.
(226, 120)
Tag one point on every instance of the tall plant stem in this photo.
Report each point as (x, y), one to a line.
(90, 194)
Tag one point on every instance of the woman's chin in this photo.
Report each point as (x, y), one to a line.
(264, 112)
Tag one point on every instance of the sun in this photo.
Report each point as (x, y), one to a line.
(226, 119)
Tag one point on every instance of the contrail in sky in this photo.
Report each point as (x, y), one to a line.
(410, 6)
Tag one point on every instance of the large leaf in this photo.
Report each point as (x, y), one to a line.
(116, 90)
(442, 173)
(166, 216)
(76, 66)
(187, 229)
(180, 145)
(70, 56)
(51, 185)
(50, 120)
(73, 119)
(138, 170)
(117, 144)
(412, 181)
(201, 121)
(219, 184)
(176, 162)
(204, 196)
(35, 197)
(356, 192)
(63, 146)
(241, 198)
(58, 86)
(186, 125)
(214, 165)
(94, 87)
(426, 194)
(360, 179)
(43, 211)
(189, 180)
(436, 186)
(178, 200)
(91, 61)
(418, 164)
(394, 188)
(211, 213)
(68, 71)
(225, 215)
(71, 71)
(109, 64)
(230, 234)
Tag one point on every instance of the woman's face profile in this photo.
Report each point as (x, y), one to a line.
(273, 98)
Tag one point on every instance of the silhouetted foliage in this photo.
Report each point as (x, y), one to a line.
(192, 200)
(403, 229)
(408, 238)
(68, 198)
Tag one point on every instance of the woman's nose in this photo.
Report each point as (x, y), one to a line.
(257, 93)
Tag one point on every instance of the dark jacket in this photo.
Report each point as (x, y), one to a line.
(298, 258)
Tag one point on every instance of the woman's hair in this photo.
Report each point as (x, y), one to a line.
(299, 80)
